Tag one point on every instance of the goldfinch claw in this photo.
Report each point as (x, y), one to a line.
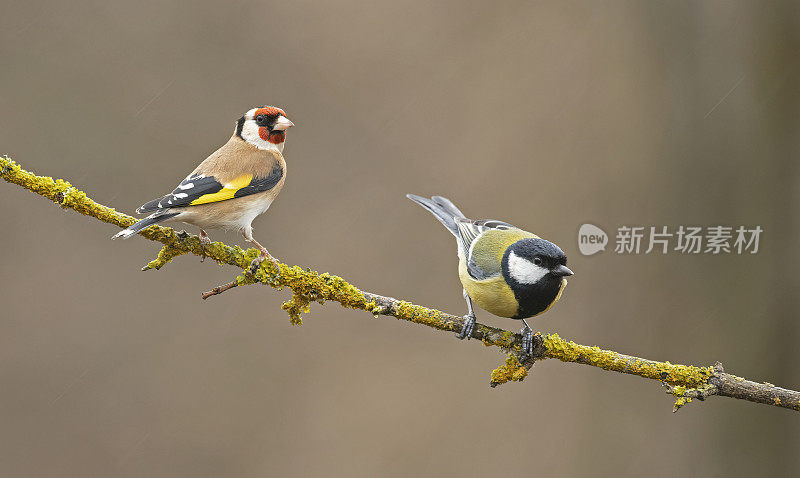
(204, 241)
(254, 265)
(469, 326)
(257, 262)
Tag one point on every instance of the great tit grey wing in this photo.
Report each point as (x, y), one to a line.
(479, 273)
(481, 254)
(469, 230)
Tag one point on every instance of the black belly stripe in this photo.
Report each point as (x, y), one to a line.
(536, 298)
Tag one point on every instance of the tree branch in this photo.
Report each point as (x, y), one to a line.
(685, 382)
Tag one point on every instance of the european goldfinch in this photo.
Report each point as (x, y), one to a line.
(231, 187)
(505, 270)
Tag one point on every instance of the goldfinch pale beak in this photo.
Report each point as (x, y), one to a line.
(282, 124)
(562, 271)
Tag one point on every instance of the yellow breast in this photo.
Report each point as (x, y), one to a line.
(492, 295)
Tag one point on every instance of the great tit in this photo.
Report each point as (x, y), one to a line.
(505, 270)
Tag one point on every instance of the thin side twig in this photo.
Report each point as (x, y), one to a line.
(220, 289)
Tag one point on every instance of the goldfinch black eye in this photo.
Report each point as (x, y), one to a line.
(261, 120)
(537, 261)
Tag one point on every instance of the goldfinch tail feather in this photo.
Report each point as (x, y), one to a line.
(148, 221)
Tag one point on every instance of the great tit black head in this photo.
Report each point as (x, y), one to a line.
(535, 269)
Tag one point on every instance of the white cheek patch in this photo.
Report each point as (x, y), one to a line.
(524, 271)
(250, 134)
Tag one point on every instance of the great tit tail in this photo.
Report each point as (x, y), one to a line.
(442, 208)
(448, 206)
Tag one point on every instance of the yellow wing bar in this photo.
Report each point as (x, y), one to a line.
(227, 192)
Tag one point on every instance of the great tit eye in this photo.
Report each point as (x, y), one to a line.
(537, 261)
(261, 120)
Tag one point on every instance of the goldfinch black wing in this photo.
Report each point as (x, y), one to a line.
(199, 189)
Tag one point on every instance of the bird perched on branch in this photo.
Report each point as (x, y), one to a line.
(231, 187)
(505, 270)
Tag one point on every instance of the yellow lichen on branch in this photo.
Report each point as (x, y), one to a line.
(62, 193)
(684, 381)
(165, 255)
(568, 351)
(511, 371)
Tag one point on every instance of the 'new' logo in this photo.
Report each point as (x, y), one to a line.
(591, 239)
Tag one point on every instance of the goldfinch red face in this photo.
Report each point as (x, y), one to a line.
(264, 127)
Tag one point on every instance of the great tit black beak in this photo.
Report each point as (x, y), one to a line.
(562, 271)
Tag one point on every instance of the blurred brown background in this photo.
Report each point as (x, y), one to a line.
(544, 114)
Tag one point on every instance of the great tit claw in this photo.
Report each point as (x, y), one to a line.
(469, 325)
(527, 341)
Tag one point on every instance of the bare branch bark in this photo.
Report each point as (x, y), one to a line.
(685, 382)
(219, 289)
